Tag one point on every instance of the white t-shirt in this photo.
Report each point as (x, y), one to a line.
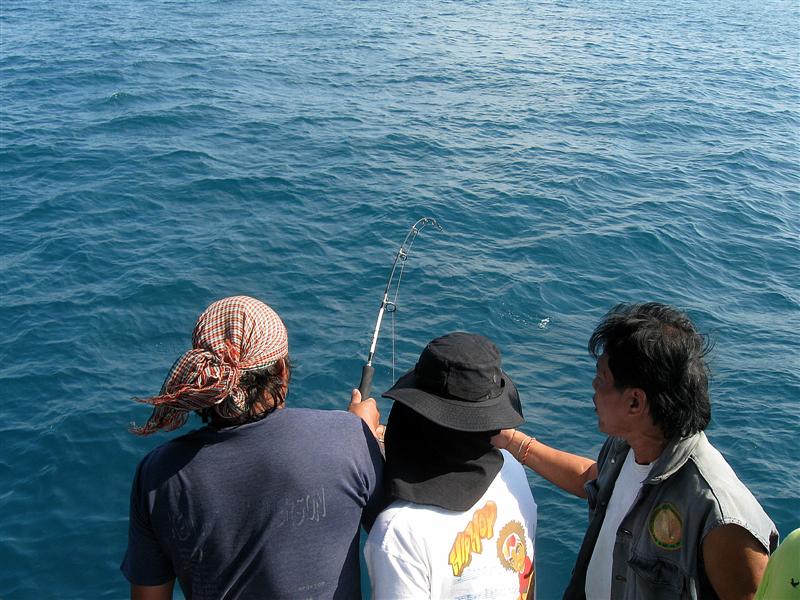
(626, 488)
(422, 551)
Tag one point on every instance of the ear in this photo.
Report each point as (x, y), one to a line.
(637, 401)
(280, 365)
(282, 370)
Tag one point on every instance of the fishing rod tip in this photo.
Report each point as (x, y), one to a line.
(434, 222)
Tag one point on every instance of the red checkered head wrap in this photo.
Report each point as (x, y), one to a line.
(232, 335)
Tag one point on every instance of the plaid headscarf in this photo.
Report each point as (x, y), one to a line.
(232, 335)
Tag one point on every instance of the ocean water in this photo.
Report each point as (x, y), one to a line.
(160, 154)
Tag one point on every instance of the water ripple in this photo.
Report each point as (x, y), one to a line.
(157, 156)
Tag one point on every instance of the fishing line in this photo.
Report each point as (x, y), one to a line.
(393, 304)
(390, 306)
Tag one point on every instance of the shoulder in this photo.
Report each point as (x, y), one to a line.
(166, 459)
(313, 417)
(717, 479)
(515, 486)
(510, 463)
(710, 462)
(169, 451)
(397, 522)
(729, 501)
(333, 436)
(336, 427)
(512, 472)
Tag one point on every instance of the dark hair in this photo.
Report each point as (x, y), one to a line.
(255, 384)
(656, 347)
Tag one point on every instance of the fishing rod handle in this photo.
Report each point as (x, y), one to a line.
(366, 381)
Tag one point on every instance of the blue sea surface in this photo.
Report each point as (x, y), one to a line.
(157, 155)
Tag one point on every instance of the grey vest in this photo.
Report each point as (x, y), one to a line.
(691, 490)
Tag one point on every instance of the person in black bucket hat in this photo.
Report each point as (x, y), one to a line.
(463, 519)
(458, 383)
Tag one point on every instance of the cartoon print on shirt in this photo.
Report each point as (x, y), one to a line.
(512, 550)
(480, 527)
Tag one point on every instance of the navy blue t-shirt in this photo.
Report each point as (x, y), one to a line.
(270, 509)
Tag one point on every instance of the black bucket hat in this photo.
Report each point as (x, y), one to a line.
(458, 383)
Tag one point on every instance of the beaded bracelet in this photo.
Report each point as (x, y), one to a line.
(525, 454)
(527, 447)
(519, 450)
(521, 444)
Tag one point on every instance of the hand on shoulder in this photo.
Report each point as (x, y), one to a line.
(503, 439)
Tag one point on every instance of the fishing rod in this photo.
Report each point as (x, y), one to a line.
(390, 305)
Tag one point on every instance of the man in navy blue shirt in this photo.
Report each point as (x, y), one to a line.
(264, 501)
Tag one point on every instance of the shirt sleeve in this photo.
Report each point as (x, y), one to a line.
(376, 499)
(394, 573)
(145, 562)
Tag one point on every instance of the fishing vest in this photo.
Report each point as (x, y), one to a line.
(690, 490)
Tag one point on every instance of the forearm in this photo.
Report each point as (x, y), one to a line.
(152, 592)
(568, 471)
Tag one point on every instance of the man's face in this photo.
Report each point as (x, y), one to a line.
(610, 403)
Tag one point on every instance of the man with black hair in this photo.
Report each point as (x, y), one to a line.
(264, 501)
(668, 516)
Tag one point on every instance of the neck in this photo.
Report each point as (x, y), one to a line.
(257, 412)
(647, 446)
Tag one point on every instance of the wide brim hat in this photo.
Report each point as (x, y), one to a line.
(458, 383)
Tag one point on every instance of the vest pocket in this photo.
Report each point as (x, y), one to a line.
(657, 578)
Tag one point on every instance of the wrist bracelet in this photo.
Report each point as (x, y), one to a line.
(519, 450)
(522, 455)
(527, 447)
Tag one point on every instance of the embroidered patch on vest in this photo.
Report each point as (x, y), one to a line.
(666, 526)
